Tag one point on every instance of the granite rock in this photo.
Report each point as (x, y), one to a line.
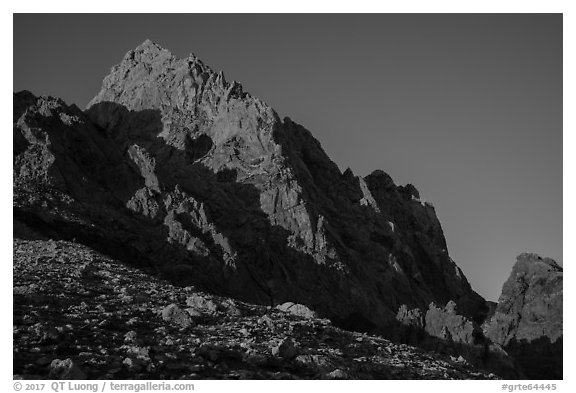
(528, 320)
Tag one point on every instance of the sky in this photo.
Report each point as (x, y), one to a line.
(467, 107)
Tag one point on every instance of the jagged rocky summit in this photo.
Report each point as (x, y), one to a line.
(528, 320)
(175, 168)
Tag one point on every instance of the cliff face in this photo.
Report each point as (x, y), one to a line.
(528, 319)
(173, 168)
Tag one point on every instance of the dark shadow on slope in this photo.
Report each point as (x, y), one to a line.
(264, 270)
(416, 239)
(539, 358)
(96, 236)
(481, 352)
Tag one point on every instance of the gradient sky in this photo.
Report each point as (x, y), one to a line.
(468, 108)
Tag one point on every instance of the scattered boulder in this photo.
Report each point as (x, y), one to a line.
(337, 374)
(285, 349)
(299, 310)
(130, 337)
(201, 304)
(175, 315)
(128, 363)
(65, 369)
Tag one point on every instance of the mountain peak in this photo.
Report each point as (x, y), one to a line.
(151, 77)
(532, 258)
(249, 204)
(148, 45)
(147, 52)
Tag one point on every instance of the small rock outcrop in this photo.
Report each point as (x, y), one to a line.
(444, 331)
(528, 320)
(448, 325)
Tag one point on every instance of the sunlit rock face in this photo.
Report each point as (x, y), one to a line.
(528, 319)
